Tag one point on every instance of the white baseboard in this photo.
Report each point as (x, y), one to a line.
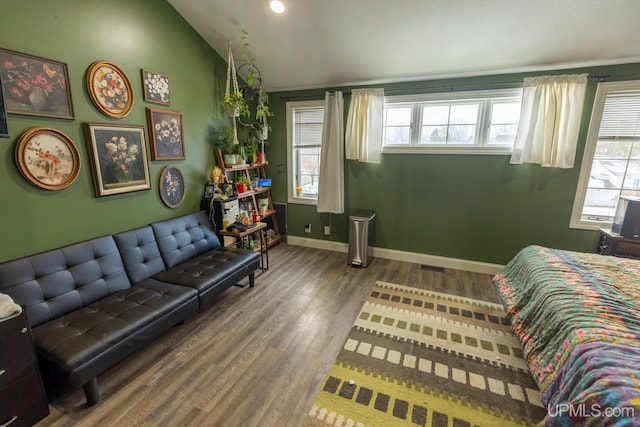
(426, 259)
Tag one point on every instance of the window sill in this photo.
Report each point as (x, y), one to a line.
(589, 225)
(473, 150)
(303, 200)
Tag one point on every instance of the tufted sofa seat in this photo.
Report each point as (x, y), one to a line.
(93, 303)
(194, 257)
(84, 312)
(74, 347)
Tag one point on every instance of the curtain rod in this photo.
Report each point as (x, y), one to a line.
(450, 88)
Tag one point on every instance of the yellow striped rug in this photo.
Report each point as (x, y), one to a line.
(421, 358)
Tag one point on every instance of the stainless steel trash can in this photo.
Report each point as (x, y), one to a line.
(361, 227)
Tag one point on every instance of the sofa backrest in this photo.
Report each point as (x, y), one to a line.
(140, 253)
(184, 237)
(59, 281)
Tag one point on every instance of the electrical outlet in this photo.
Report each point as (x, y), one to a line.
(307, 228)
(327, 230)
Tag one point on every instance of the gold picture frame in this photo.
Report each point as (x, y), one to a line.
(166, 133)
(119, 158)
(35, 86)
(47, 158)
(110, 89)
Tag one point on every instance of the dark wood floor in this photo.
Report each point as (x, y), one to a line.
(257, 356)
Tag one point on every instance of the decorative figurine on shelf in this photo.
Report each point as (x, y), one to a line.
(215, 176)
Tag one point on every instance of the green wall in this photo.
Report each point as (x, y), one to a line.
(469, 207)
(137, 34)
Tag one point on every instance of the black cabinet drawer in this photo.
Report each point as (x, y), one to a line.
(17, 354)
(23, 402)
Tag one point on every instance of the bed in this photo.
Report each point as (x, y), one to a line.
(577, 317)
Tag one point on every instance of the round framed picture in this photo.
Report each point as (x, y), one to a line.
(172, 186)
(47, 158)
(109, 89)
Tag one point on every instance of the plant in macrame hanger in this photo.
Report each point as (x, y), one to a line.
(233, 98)
(255, 93)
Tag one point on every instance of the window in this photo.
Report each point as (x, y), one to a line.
(304, 134)
(459, 122)
(611, 162)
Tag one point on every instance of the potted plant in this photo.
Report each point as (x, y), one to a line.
(222, 137)
(243, 184)
(255, 92)
(250, 147)
(263, 203)
(233, 98)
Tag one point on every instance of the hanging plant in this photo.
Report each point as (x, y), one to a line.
(255, 91)
(233, 99)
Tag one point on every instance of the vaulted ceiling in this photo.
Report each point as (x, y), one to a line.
(326, 43)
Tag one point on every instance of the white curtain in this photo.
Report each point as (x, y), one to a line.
(331, 183)
(550, 120)
(363, 139)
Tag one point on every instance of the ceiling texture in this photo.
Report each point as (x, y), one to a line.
(332, 43)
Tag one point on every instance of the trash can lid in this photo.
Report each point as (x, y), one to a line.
(362, 215)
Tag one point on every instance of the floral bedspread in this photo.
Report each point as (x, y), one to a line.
(558, 300)
(598, 385)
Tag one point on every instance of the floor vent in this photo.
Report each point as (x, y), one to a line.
(431, 268)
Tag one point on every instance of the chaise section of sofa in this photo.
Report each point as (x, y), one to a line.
(194, 257)
(84, 312)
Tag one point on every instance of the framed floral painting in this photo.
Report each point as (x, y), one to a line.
(109, 89)
(119, 158)
(47, 158)
(155, 87)
(35, 86)
(167, 138)
(172, 186)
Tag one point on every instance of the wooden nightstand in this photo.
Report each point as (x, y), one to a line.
(611, 243)
(23, 401)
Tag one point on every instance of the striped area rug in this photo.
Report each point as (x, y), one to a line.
(421, 358)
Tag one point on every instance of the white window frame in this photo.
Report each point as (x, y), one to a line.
(486, 98)
(291, 192)
(589, 151)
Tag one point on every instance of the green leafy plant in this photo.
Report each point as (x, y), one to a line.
(258, 93)
(222, 136)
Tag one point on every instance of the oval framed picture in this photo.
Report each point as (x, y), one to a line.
(172, 186)
(47, 158)
(109, 89)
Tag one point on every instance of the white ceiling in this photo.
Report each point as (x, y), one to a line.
(327, 43)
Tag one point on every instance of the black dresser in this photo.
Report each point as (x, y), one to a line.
(23, 401)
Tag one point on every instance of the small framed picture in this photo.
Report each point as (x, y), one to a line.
(155, 87)
(209, 191)
(35, 86)
(171, 187)
(119, 154)
(167, 138)
(227, 189)
(109, 89)
(47, 158)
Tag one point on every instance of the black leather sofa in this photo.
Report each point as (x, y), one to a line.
(93, 303)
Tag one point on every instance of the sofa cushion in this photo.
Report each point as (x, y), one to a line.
(77, 345)
(140, 253)
(182, 238)
(59, 281)
(212, 272)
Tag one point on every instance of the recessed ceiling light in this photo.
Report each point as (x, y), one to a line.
(277, 6)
